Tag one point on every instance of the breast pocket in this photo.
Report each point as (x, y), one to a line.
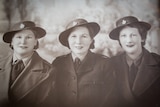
(94, 87)
(92, 90)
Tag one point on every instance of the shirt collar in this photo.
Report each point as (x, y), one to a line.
(137, 61)
(25, 60)
(74, 57)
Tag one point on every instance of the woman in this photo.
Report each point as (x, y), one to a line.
(25, 77)
(84, 79)
(137, 70)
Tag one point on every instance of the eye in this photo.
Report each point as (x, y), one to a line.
(73, 36)
(29, 37)
(19, 37)
(133, 35)
(85, 35)
(123, 35)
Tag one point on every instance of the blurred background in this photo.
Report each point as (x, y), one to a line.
(53, 16)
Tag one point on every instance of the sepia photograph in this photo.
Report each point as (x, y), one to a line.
(79, 53)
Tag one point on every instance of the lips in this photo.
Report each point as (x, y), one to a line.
(78, 47)
(130, 45)
(23, 47)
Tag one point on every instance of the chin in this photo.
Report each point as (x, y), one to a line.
(130, 52)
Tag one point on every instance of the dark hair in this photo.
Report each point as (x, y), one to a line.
(91, 32)
(92, 45)
(37, 45)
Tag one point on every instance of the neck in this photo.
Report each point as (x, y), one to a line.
(22, 56)
(80, 56)
(133, 56)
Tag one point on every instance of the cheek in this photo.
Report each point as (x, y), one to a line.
(14, 42)
(71, 41)
(89, 43)
(35, 42)
(121, 41)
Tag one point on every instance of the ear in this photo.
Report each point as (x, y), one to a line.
(92, 44)
(35, 43)
(142, 40)
(11, 43)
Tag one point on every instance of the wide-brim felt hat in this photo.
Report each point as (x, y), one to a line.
(127, 21)
(24, 25)
(93, 27)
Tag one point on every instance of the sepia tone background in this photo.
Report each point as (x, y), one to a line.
(53, 15)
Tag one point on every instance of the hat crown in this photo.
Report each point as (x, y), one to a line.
(126, 20)
(22, 25)
(75, 23)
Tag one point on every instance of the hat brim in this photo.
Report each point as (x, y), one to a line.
(38, 32)
(63, 37)
(114, 34)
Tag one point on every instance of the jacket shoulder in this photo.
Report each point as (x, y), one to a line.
(39, 59)
(60, 59)
(117, 57)
(46, 62)
(5, 59)
(156, 57)
(100, 56)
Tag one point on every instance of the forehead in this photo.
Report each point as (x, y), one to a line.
(25, 32)
(129, 29)
(80, 28)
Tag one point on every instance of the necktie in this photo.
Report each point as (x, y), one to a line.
(16, 70)
(132, 74)
(77, 63)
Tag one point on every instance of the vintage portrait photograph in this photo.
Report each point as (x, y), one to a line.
(79, 53)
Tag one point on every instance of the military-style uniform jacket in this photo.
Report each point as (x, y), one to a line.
(31, 87)
(90, 86)
(146, 87)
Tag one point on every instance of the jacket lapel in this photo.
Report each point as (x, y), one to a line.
(122, 75)
(69, 64)
(5, 69)
(30, 78)
(147, 74)
(87, 64)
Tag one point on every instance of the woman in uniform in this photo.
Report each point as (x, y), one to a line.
(137, 70)
(83, 79)
(25, 77)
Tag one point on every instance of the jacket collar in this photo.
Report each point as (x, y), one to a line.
(33, 74)
(86, 65)
(147, 73)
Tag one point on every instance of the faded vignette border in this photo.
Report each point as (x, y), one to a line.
(53, 15)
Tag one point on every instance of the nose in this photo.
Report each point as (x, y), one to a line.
(129, 39)
(23, 40)
(78, 40)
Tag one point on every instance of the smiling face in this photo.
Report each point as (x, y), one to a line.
(130, 40)
(79, 41)
(23, 43)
